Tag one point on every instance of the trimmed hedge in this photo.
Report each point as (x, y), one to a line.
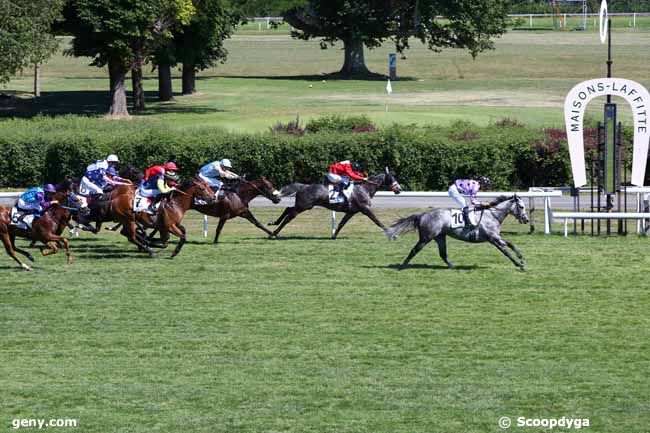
(423, 158)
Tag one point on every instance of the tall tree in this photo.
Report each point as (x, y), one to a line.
(25, 34)
(200, 44)
(468, 24)
(122, 34)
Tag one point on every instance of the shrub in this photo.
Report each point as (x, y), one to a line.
(337, 123)
(424, 158)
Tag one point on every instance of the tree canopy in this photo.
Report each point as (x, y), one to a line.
(468, 24)
(25, 33)
(122, 34)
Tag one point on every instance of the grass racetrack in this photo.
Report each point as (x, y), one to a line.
(304, 334)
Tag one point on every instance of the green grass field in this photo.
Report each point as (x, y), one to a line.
(304, 334)
(268, 75)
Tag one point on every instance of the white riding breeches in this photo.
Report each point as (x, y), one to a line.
(212, 181)
(22, 205)
(336, 179)
(149, 192)
(88, 188)
(457, 196)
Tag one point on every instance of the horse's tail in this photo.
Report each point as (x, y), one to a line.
(291, 189)
(403, 225)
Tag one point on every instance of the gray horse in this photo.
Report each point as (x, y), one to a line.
(437, 225)
(308, 196)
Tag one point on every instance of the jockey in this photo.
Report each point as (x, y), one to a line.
(36, 200)
(214, 171)
(469, 188)
(159, 170)
(96, 180)
(340, 173)
(158, 184)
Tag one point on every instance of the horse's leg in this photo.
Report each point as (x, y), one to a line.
(441, 240)
(217, 232)
(281, 217)
(513, 248)
(129, 229)
(53, 242)
(291, 214)
(27, 254)
(343, 222)
(179, 231)
(497, 242)
(7, 243)
(370, 214)
(115, 227)
(250, 217)
(416, 249)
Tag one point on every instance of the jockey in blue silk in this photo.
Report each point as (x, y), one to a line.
(97, 179)
(462, 188)
(36, 200)
(214, 171)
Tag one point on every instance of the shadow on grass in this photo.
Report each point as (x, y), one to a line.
(307, 238)
(334, 76)
(89, 103)
(396, 266)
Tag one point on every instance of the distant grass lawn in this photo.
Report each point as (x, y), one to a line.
(268, 75)
(304, 334)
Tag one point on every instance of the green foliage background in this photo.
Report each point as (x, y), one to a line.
(513, 156)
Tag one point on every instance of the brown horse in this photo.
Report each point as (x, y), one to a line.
(172, 210)
(235, 204)
(46, 229)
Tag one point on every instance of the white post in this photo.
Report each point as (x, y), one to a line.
(259, 27)
(564, 26)
(531, 20)
(566, 230)
(638, 209)
(268, 23)
(547, 215)
(205, 226)
(634, 20)
(333, 222)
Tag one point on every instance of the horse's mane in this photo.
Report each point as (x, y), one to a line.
(500, 199)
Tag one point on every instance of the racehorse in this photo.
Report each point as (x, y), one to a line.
(99, 205)
(235, 204)
(171, 211)
(46, 229)
(308, 196)
(437, 224)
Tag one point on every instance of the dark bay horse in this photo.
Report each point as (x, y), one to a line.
(46, 229)
(436, 225)
(235, 204)
(308, 196)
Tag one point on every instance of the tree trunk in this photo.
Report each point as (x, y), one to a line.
(37, 80)
(138, 91)
(189, 79)
(354, 64)
(165, 92)
(117, 74)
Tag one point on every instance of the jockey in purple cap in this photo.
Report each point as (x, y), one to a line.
(37, 200)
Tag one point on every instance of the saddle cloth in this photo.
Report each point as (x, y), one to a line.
(337, 197)
(140, 203)
(20, 219)
(457, 220)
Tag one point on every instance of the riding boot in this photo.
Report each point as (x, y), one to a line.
(468, 223)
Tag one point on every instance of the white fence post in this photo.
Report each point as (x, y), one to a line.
(333, 222)
(205, 226)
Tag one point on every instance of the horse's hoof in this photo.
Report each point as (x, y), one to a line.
(153, 255)
(522, 268)
(30, 258)
(25, 267)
